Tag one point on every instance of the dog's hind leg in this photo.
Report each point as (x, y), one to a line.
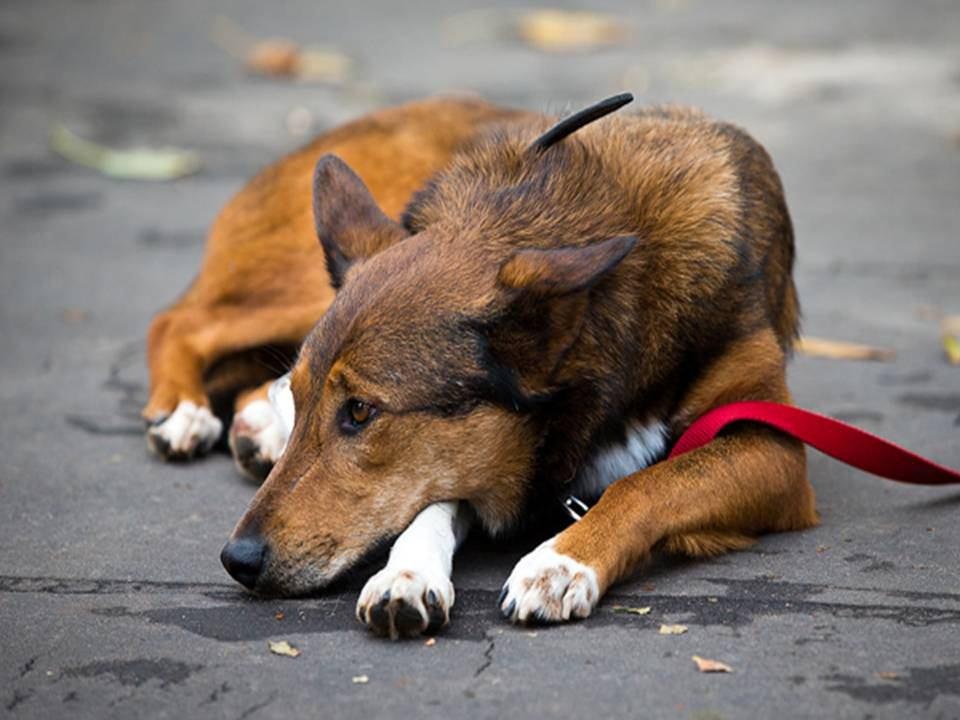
(261, 426)
(183, 343)
(414, 593)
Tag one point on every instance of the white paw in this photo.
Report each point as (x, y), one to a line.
(190, 431)
(399, 602)
(546, 586)
(258, 437)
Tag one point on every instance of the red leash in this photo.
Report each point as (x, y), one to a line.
(846, 443)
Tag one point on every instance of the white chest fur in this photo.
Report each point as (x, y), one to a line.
(644, 444)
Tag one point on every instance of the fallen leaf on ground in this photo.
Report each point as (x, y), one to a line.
(563, 30)
(73, 315)
(950, 327)
(285, 58)
(711, 666)
(281, 57)
(840, 350)
(887, 675)
(673, 629)
(282, 647)
(430, 642)
(631, 610)
(360, 679)
(132, 164)
(279, 615)
(274, 57)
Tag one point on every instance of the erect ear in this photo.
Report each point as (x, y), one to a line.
(560, 271)
(549, 304)
(350, 225)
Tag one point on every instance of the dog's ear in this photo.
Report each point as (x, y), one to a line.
(350, 225)
(548, 295)
(560, 271)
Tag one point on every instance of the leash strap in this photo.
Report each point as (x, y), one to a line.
(846, 443)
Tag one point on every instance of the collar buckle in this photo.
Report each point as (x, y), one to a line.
(574, 506)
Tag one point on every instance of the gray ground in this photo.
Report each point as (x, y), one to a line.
(112, 599)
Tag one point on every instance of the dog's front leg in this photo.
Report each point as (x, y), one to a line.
(716, 498)
(413, 593)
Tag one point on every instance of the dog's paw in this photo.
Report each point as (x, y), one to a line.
(258, 436)
(546, 586)
(189, 432)
(404, 603)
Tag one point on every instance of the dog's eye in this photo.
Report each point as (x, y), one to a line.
(357, 414)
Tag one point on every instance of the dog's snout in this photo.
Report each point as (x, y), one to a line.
(244, 558)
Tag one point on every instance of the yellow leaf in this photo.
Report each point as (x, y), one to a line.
(711, 666)
(840, 350)
(631, 610)
(561, 30)
(132, 164)
(324, 65)
(673, 629)
(950, 326)
(282, 647)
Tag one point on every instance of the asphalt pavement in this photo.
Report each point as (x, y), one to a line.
(113, 603)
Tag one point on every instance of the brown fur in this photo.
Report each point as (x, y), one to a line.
(528, 307)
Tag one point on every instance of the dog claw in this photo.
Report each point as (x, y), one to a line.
(413, 602)
(189, 432)
(258, 436)
(548, 587)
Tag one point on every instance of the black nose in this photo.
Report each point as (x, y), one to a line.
(243, 559)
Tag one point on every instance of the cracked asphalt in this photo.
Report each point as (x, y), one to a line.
(112, 600)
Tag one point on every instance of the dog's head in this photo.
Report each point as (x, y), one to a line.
(420, 384)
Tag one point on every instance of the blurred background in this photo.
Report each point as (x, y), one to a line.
(113, 598)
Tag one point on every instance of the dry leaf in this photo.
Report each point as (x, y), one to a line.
(360, 679)
(563, 30)
(324, 65)
(711, 666)
(839, 350)
(285, 58)
(950, 327)
(673, 629)
(282, 647)
(74, 315)
(430, 642)
(279, 615)
(631, 610)
(132, 164)
(274, 57)
(887, 675)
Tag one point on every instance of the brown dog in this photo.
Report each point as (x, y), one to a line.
(556, 307)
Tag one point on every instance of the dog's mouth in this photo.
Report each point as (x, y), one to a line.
(305, 577)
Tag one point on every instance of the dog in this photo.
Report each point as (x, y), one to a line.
(556, 304)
